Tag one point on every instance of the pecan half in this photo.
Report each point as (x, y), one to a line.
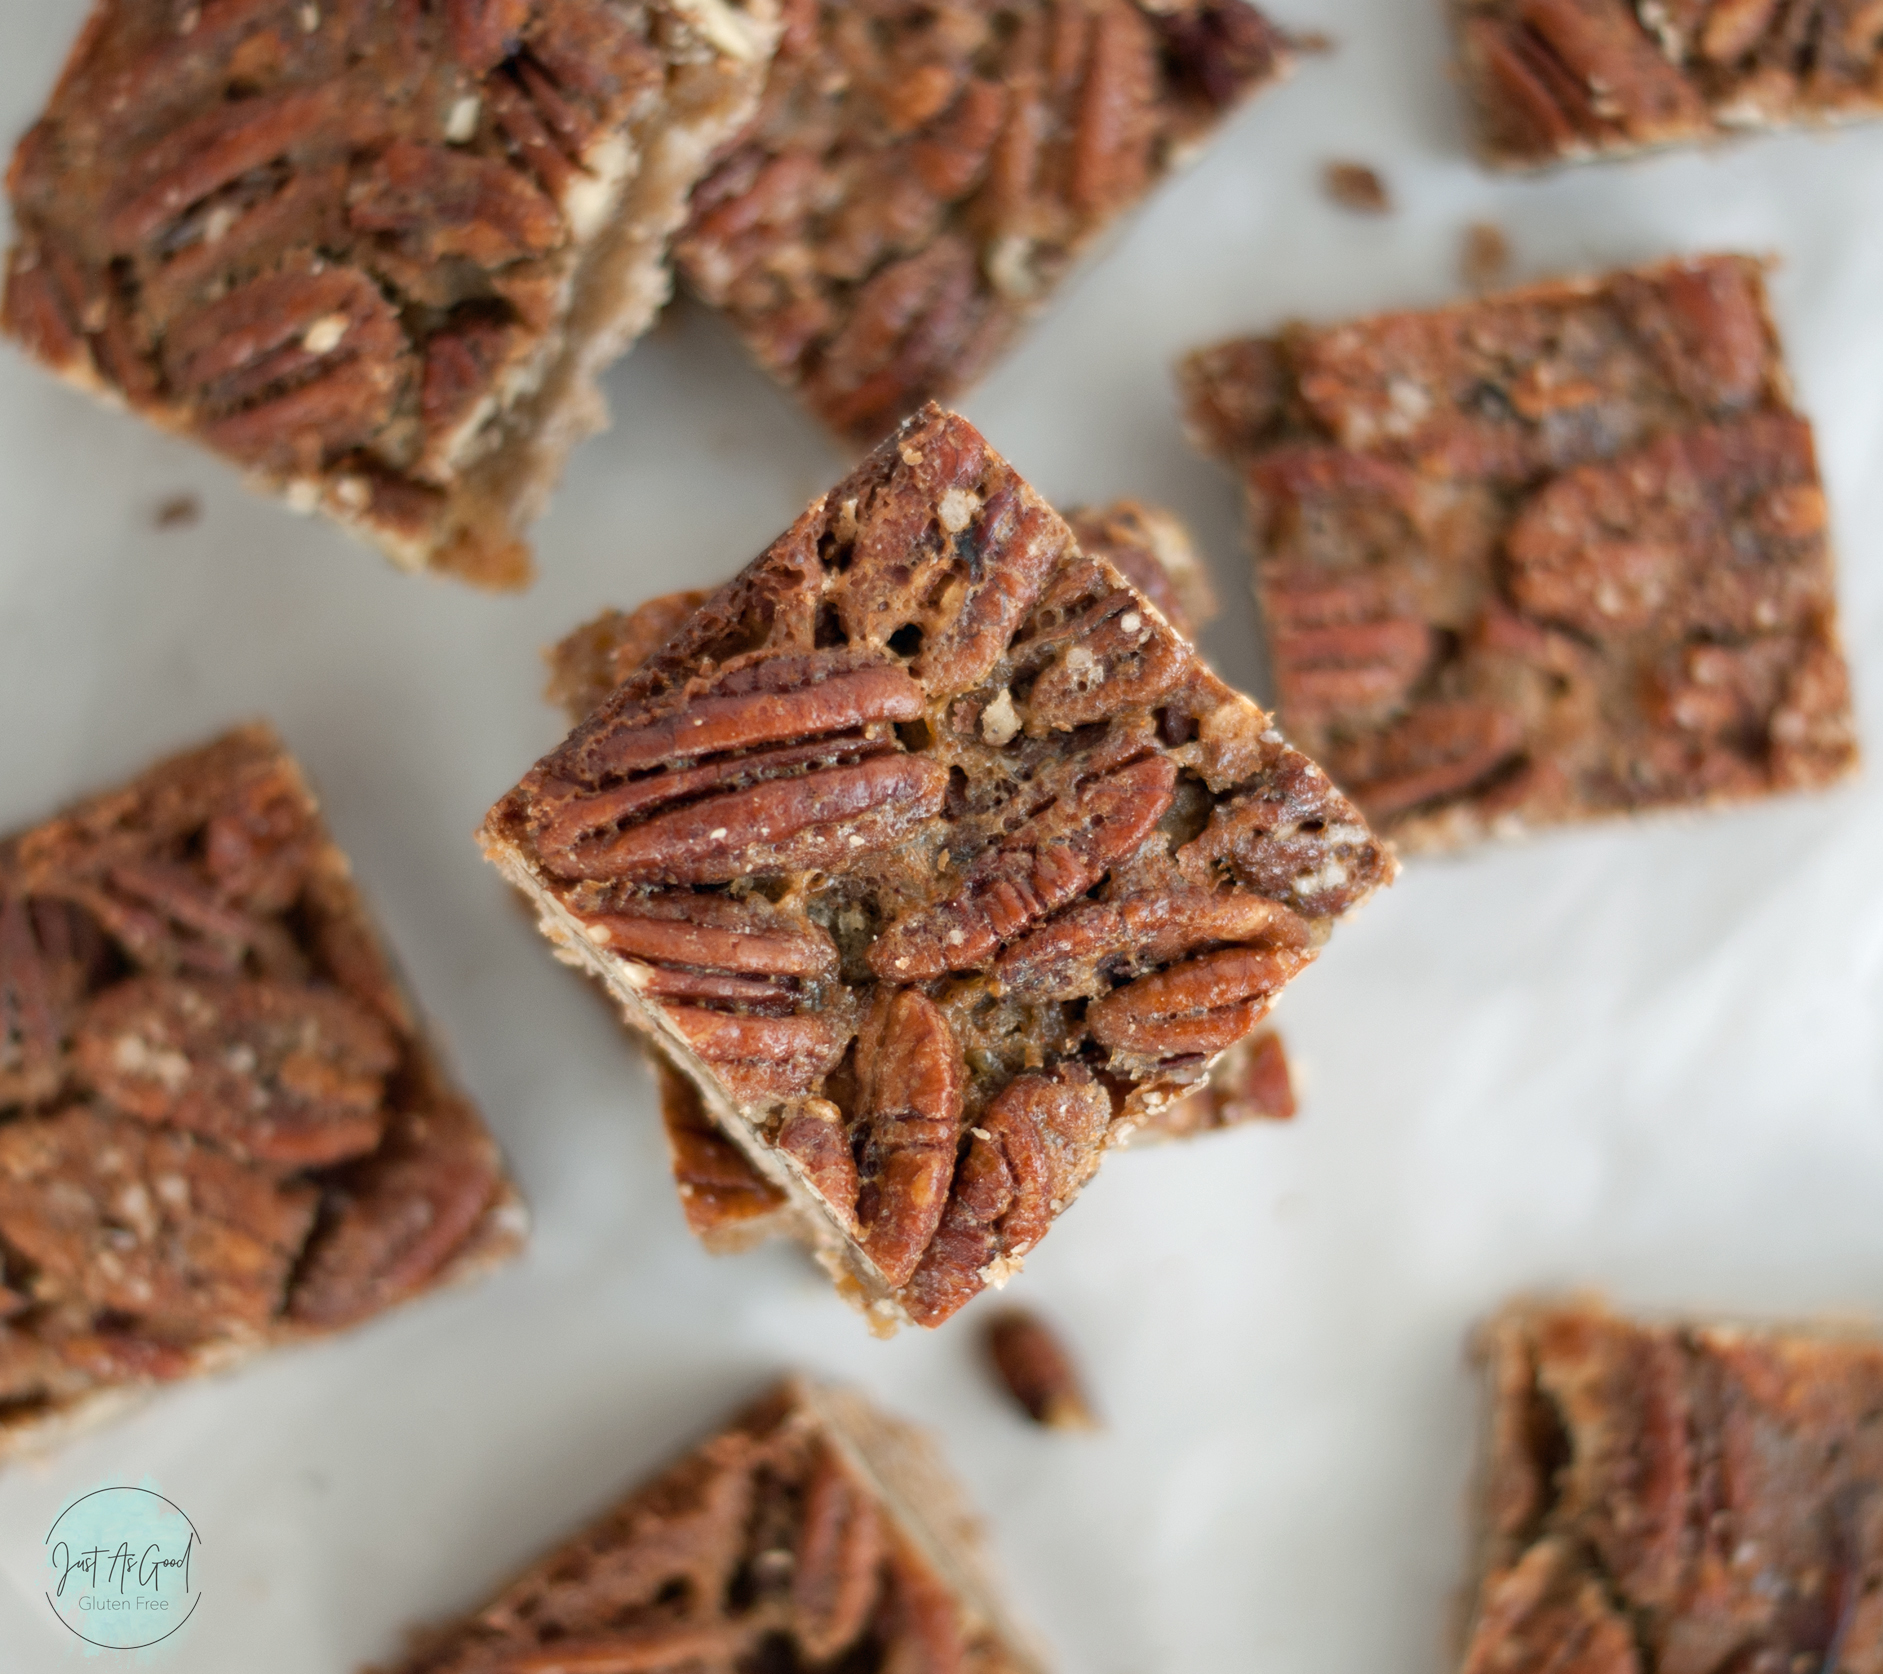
(766, 1057)
(1296, 840)
(836, 1578)
(1560, 73)
(910, 1082)
(1351, 668)
(149, 1223)
(1106, 656)
(1082, 951)
(288, 1075)
(1718, 530)
(50, 952)
(1200, 1006)
(1437, 751)
(815, 1138)
(392, 1220)
(615, 809)
(1053, 858)
(291, 368)
(1035, 1146)
(442, 204)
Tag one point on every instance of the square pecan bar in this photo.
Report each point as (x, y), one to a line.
(921, 176)
(937, 859)
(812, 1532)
(376, 255)
(728, 1204)
(1543, 556)
(1664, 1498)
(221, 1126)
(1556, 81)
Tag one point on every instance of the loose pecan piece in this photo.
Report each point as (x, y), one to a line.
(1037, 1371)
(392, 1220)
(910, 1084)
(836, 1578)
(148, 1223)
(288, 1075)
(1052, 859)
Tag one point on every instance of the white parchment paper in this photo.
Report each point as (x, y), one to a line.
(1645, 1059)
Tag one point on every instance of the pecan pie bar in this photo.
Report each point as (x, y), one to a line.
(375, 254)
(1679, 1499)
(1555, 81)
(728, 1204)
(1544, 556)
(921, 176)
(812, 1532)
(220, 1124)
(937, 859)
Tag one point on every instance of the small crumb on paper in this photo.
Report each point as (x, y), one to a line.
(179, 511)
(1355, 186)
(1485, 258)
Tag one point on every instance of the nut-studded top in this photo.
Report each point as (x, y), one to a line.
(338, 240)
(921, 177)
(1556, 80)
(940, 849)
(767, 1546)
(1546, 555)
(218, 1120)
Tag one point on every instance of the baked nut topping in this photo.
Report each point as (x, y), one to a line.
(219, 1123)
(1543, 556)
(375, 255)
(1558, 80)
(934, 855)
(811, 1532)
(1676, 1496)
(920, 177)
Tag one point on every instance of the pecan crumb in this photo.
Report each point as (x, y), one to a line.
(1313, 42)
(1485, 258)
(1038, 1372)
(1359, 188)
(179, 511)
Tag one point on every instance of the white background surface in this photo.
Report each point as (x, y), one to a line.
(1644, 1059)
